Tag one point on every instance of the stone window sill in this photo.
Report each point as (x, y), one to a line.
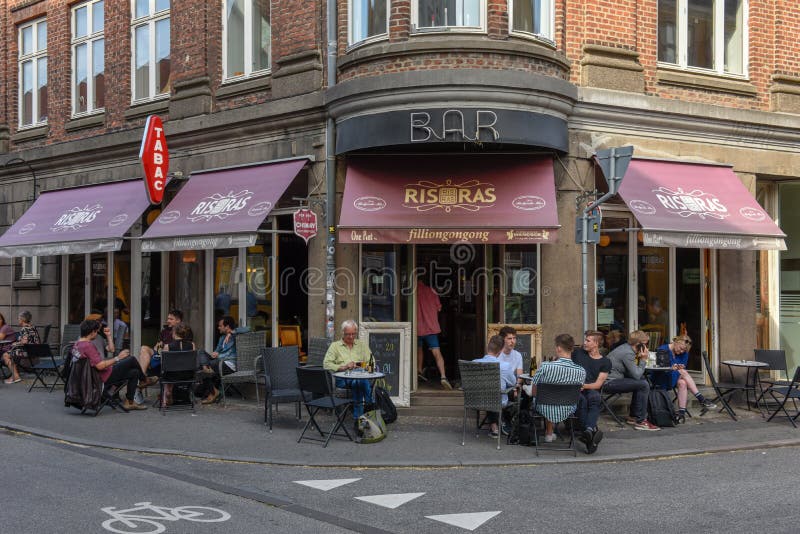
(144, 109)
(29, 134)
(90, 121)
(707, 82)
(247, 85)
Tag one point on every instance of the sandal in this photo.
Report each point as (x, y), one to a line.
(11, 380)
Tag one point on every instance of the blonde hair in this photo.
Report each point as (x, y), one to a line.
(638, 336)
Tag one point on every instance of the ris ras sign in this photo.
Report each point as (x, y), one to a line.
(155, 159)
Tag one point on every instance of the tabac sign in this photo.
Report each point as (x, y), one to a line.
(155, 159)
(305, 223)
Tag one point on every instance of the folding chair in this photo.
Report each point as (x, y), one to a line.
(606, 399)
(792, 391)
(42, 363)
(557, 395)
(316, 382)
(776, 359)
(722, 389)
(178, 368)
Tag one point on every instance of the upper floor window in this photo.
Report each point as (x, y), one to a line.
(367, 19)
(33, 73)
(151, 61)
(436, 14)
(533, 17)
(88, 57)
(246, 37)
(29, 268)
(704, 34)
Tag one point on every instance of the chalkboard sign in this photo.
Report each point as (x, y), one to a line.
(529, 341)
(390, 344)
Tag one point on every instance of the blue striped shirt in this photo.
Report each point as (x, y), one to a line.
(561, 371)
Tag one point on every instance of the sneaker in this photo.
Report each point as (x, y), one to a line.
(493, 434)
(138, 397)
(646, 425)
(707, 404)
(631, 421)
(446, 384)
(587, 437)
(549, 438)
(505, 429)
(130, 405)
(421, 377)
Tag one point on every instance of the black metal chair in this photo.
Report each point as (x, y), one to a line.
(606, 401)
(315, 382)
(722, 389)
(280, 379)
(480, 382)
(792, 391)
(556, 395)
(43, 363)
(69, 335)
(317, 348)
(178, 369)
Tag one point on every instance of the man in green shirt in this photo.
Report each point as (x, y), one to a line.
(345, 355)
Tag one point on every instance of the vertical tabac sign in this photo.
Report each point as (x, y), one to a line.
(155, 159)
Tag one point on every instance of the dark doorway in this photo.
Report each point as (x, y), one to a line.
(454, 273)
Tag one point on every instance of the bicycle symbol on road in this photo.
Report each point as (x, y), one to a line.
(145, 517)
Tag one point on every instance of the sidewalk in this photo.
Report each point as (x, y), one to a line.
(237, 432)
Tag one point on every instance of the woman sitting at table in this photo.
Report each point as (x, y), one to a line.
(181, 340)
(346, 355)
(16, 352)
(678, 351)
(6, 332)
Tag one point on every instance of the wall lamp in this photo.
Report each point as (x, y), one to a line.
(30, 168)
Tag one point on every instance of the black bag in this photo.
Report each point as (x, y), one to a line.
(385, 405)
(659, 408)
(662, 358)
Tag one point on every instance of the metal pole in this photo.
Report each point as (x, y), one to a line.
(330, 175)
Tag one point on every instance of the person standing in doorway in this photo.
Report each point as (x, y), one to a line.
(428, 329)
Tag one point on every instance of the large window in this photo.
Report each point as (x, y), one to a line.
(532, 17)
(435, 14)
(246, 38)
(151, 61)
(88, 57)
(367, 19)
(33, 73)
(704, 34)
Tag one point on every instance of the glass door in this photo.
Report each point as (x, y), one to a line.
(186, 274)
(613, 275)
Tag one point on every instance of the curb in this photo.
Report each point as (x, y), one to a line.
(630, 457)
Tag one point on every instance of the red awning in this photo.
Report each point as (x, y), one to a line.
(696, 206)
(449, 199)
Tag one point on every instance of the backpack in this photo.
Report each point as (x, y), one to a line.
(660, 409)
(521, 423)
(385, 405)
(370, 427)
(84, 389)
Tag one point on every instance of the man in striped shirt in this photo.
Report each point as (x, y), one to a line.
(561, 371)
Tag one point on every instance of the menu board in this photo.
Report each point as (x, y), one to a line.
(390, 344)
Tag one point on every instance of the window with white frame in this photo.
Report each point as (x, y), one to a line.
(33, 73)
(367, 19)
(150, 30)
(532, 17)
(29, 268)
(246, 37)
(88, 57)
(704, 34)
(467, 14)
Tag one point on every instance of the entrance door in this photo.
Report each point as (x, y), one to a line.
(450, 271)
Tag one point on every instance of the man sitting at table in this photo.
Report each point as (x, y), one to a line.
(561, 371)
(507, 380)
(345, 355)
(597, 367)
(627, 376)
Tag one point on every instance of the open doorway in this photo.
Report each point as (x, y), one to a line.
(451, 271)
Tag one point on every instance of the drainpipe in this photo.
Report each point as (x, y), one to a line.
(330, 176)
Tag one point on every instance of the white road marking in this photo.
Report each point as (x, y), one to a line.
(326, 485)
(391, 500)
(465, 521)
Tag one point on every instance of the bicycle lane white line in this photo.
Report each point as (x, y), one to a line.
(267, 498)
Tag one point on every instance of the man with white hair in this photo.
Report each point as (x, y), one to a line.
(345, 355)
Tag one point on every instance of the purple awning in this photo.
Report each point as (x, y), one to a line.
(76, 221)
(221, 209)
(696, 206)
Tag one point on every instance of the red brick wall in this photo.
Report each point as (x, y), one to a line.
(787, 37)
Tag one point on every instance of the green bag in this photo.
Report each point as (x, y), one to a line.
(370, 427)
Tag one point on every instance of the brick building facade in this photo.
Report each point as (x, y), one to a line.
(680, 81)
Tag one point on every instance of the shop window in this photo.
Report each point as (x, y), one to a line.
(246, 38)
(379, 291)
(532, 17)
(88, 57)
(367, 20)
(439, 14)
(150, 34)
(33, 73)
(703, 34)
(512, 284)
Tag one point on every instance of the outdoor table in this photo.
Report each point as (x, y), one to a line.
(751, 380)
(650, 369)
(358, 374)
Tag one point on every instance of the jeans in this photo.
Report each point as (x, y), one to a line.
(361, 390)
(588, 411)
(126, 370)
(640, 390)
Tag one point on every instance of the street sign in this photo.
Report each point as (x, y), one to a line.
(155, 159)
(305, 223)
(614, 162)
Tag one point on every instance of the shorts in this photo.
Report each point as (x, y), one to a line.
(431, 341)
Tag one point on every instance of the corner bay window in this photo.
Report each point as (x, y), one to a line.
(33, 73)
(88, 57)
(151, 59)
(534, 17)
(705, 34)
(367, 19)
(247, 36)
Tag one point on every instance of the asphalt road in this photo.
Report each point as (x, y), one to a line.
(744, 491)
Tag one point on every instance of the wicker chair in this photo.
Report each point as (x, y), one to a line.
(69, 335)
(248, 353)
(317, 347)
(280, 378)
(481, 384)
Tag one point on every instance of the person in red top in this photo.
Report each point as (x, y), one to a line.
(428, 329)
(114, 370)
